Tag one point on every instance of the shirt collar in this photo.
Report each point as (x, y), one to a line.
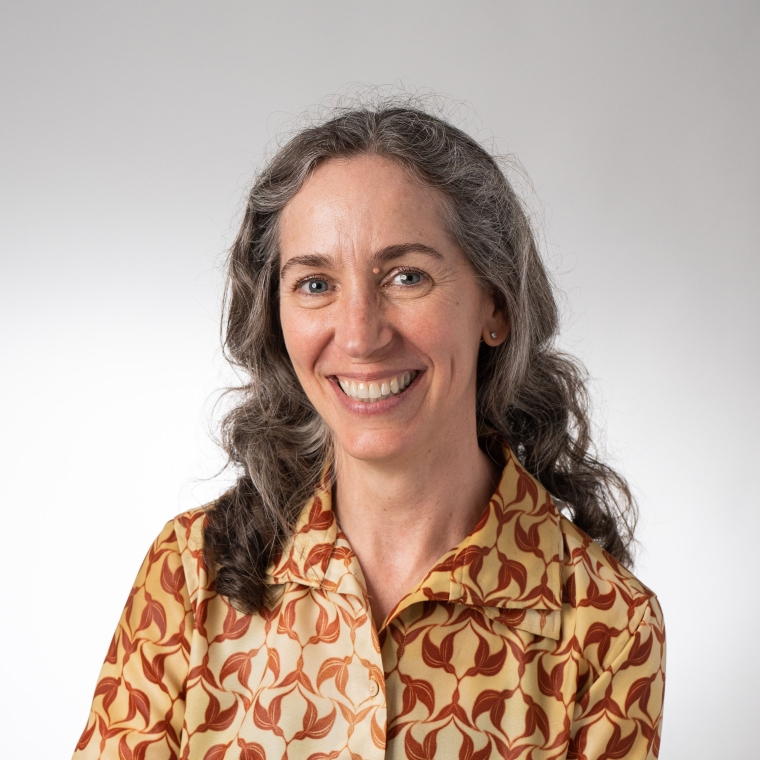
(509, 565)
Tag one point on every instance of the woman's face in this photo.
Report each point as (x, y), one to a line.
(381, 313)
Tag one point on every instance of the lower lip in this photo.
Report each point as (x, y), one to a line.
(381, 406)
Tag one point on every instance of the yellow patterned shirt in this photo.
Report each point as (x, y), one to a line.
(526, 641)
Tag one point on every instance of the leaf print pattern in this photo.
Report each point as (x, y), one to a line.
(527, 641)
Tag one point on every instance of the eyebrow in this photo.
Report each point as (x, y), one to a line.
(383, 256)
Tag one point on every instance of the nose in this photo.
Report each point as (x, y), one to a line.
(361, 329)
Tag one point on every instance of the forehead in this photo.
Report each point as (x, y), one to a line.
(363, 202)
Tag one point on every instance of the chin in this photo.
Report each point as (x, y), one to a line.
(374, 445)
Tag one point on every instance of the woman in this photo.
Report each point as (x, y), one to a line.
(391, 575)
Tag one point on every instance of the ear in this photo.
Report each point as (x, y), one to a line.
(496, 321)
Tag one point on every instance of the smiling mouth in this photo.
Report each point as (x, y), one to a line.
(377, 390)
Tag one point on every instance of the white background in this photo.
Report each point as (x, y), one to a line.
(128, 134)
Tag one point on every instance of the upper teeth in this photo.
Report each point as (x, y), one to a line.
(373, 391)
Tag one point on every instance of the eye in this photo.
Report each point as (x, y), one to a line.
(314, 287)
(407, 278)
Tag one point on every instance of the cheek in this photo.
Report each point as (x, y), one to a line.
(303, 332)
(447, 330)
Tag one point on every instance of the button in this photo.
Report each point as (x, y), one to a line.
(372, 687)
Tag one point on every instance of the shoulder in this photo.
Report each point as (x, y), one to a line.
(609, 608)
(184, 535)
(188, 527)
(586, 565)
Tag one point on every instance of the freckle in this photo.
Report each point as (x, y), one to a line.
(376, 270)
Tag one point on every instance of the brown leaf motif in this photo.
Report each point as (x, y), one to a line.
(287, 621)
(417, 689)
(492, 702)
(618, 746)
(487, 663)
(439, 657)
(154, 669)
(173, 582)
(550, 684)
(235, 626)
(535, 718)
(138, 753)
(273, 663)
(601, 634)
(108, 688)
(319, 519)
(217, 752)
(467, 750)
(641, 651)
(251, 750)
(594, 598)
(421, 751)
(314, 727)
(639, 692)
(337, 668)
(512, 571)
(138, 702)
(326, 632)
(318, 556)
(238, 663)
(215, 718)
(84, 740)
(268, 719)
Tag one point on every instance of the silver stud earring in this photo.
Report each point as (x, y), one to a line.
(493, 336)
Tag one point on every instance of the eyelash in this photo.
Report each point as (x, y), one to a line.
(399, 270)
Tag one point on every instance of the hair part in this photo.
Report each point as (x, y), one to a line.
(529, 395)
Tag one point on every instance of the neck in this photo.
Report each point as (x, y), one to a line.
(400, 517)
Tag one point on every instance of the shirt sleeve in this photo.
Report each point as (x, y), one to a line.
(138, 708)
(620, 716)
